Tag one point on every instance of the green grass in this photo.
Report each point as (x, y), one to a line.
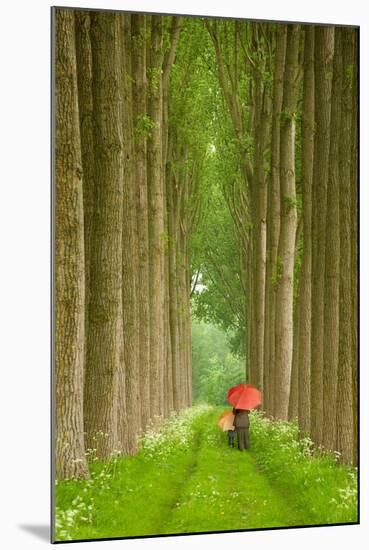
(186, 479)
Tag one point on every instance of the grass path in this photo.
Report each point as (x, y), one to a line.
(226, 492)
(195, 484)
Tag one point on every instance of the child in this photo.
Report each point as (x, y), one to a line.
(231, 434)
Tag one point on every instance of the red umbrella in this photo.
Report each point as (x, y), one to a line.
(244, 396)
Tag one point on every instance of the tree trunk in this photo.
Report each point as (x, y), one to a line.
(84, 80)
(273, 218)
(345, 420)
(307, 155)
(173, 292)
(354, 246)
(156, 218)
(324, 45)
(260, 213)
(140, 135)
(69, 260)
(332, 263)
(286, 245)
(129, 247)
(104, 353)
(293, 405)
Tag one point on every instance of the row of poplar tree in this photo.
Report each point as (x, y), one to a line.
(212, 159)
(122, 220)
(290, 92)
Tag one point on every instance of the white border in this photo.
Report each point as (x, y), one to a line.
(25, 281)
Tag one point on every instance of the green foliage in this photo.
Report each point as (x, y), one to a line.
(186, 479)
(144, 125)
(287, 117)
(327, 491)
(277, 272)
(153, 78)
(290, 202)
(110, 504)
(215, 369)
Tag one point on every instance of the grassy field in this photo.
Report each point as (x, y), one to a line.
(185, 479)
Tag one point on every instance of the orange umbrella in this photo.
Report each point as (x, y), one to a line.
(225, 421)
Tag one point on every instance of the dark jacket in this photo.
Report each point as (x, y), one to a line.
(241, 419)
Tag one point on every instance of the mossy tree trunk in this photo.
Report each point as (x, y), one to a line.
(332, 263)
(307, 156)
(324, 45)
(69, 260)
(130, 246)
(273, 219)
(105, 345)
(345, 417)
(156, 217)
(139, 28)
(286, 245)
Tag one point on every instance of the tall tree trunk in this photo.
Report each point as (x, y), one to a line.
(173, 291)
(69, 260)
(171, 353)
(332, 263)
(324, 45)
(140, 135)
(354, 245)
(188, 332)
(293, 404)
(84, 80)
(260, 213)
(307, 156)
(286, 245)
(156, 218)
(345, 420)
(273, 217)
(104, 350)
(129, 246)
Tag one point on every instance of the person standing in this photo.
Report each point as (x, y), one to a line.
(241, 423)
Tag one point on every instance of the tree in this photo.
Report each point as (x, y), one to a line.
(324, 45)
(69, 260)
(286, 245)
(332, 264)
(345, 419)
(129, 246)
(354, 244)
(156, 216)
(105, 339)
(141, 130)
(307, 156)
(273, 219)
(85, 109)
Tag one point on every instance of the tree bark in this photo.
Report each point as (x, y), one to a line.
(260, 214)
(140, 135)
(345, 420)
(293, 405)
(307, 156)
(104, 352)
(324, 44)
(286, 245)
(354, 245)
(173, 290)
(332, 263)
(84, 80)
(156, 218)
(130, 247)
(69, 260)
(273, 218)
